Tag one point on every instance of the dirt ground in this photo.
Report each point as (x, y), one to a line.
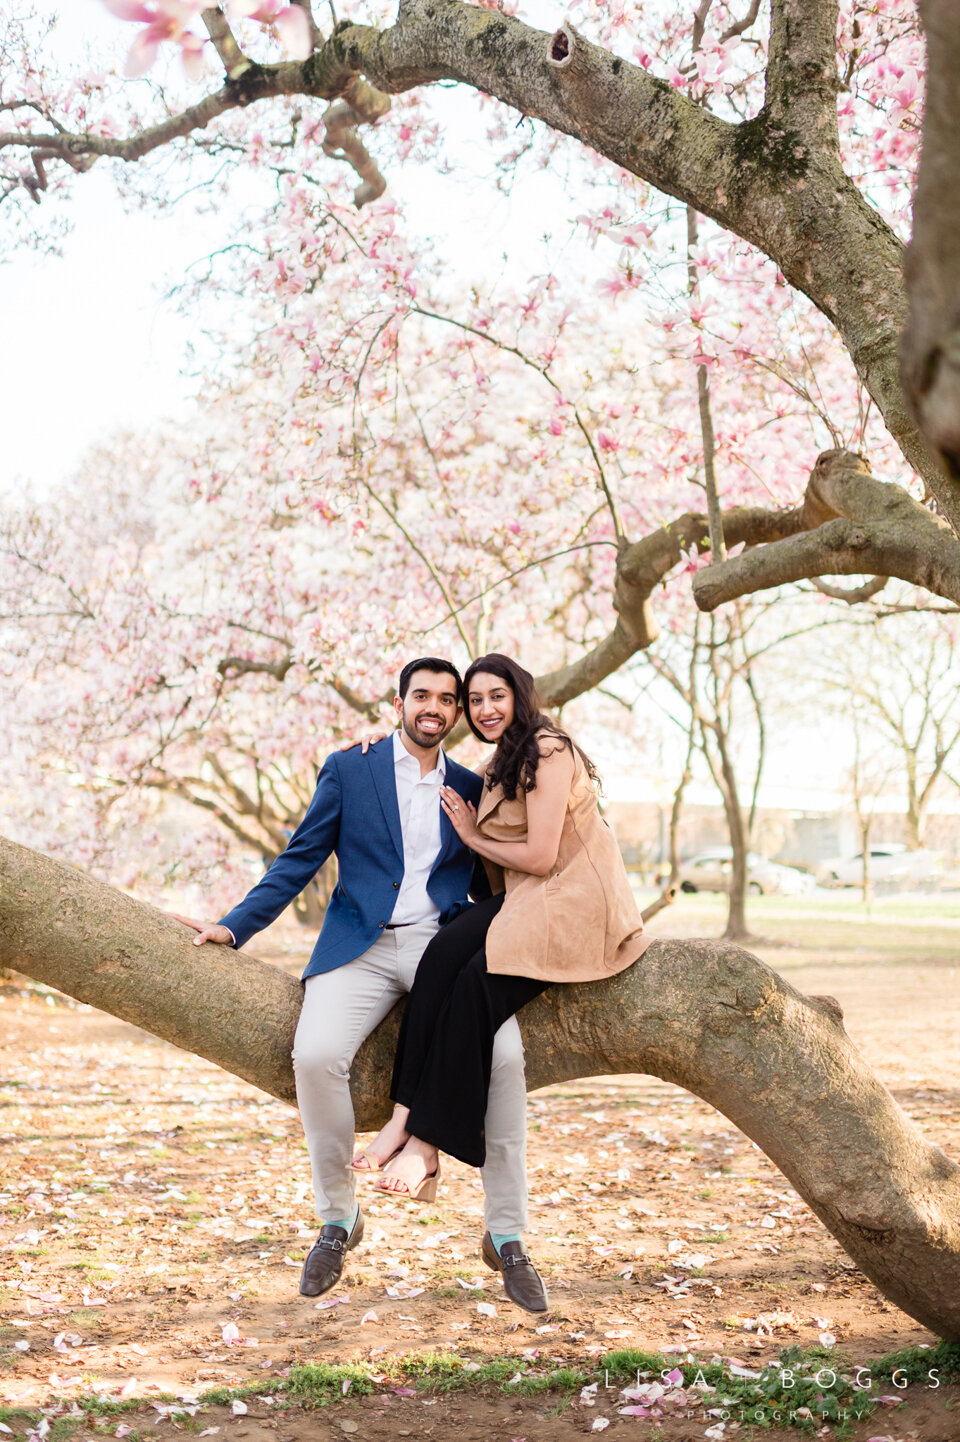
(156, 1211)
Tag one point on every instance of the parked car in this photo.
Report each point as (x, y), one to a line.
(710, 871)
(890, 863)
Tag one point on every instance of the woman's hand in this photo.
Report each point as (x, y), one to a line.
(209, 930)
(462, 814)
(364, 742)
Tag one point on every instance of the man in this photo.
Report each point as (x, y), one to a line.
(403, 872)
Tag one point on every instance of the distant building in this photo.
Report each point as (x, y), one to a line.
(798, 838)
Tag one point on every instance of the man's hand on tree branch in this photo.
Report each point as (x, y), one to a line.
(209, 930)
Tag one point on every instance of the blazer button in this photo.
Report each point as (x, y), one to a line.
(381, 924)
(396, 886)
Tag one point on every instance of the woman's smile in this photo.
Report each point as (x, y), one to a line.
(491, 705)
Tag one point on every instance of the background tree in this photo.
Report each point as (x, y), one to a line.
(868, 778)
(715, 672)
(896, 673)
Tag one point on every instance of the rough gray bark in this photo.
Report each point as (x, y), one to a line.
(931, 342)
(775, 179)
(703, 1015)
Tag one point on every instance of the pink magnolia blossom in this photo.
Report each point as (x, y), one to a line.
(904, 96)
(291, 22)
(164, 20)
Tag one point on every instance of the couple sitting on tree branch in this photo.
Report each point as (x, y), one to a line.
(414, 833)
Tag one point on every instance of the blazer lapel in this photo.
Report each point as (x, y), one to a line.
(382, 767)
(448, 837)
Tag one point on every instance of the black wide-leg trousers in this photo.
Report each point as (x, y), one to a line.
(453, 1012)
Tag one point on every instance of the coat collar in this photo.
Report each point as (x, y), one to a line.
(489, 801)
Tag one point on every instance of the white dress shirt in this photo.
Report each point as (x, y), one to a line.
(418, 798)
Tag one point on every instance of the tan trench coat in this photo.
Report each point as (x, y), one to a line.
(580, 922)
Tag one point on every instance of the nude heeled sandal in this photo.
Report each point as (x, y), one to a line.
(424, 1191)
(372, 1165)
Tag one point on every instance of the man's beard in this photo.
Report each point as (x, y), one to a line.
(423, 738)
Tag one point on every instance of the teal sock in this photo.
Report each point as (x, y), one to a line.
(347, 1223)
(498, 1239)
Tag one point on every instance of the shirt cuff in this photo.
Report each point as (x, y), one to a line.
(233, 939)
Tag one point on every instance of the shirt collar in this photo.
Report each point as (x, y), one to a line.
(401, 756)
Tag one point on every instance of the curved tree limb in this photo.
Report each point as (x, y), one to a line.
(703, 1015)
(848, 523)
(853, 595)
(852, 524)
(641, 566)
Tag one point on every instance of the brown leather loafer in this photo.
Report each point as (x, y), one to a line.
(521, 1280)
(324, 1263)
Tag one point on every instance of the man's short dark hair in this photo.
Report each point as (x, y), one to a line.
(428, 663)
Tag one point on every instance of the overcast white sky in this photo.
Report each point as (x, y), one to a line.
(91, 343)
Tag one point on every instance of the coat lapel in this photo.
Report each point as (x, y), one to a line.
(382, 767)
(489, 802)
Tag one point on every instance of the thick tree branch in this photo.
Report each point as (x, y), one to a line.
(232, 666)
(224, 42)
(802, 80)
(853, 523)
(640, 569)
(703, 1015)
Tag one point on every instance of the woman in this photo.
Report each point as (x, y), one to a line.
(563, 911)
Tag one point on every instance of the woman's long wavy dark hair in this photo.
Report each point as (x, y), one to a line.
(514, 766)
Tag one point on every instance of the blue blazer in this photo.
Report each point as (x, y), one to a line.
(354, 813)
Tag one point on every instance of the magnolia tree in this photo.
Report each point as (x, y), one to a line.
(202, 614)
(771, 331)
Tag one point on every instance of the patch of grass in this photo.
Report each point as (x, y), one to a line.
(64, 1427)
(628, 1362)
(823, 1384)
(323, 1382)
(562, 1379)
(914, 1363)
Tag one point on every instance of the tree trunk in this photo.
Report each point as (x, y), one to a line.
(866, 887)
(736, 928)
(930, 345)
(703, 1015)
(914, 818)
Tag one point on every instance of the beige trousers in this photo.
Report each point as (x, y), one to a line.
(340, 1010)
